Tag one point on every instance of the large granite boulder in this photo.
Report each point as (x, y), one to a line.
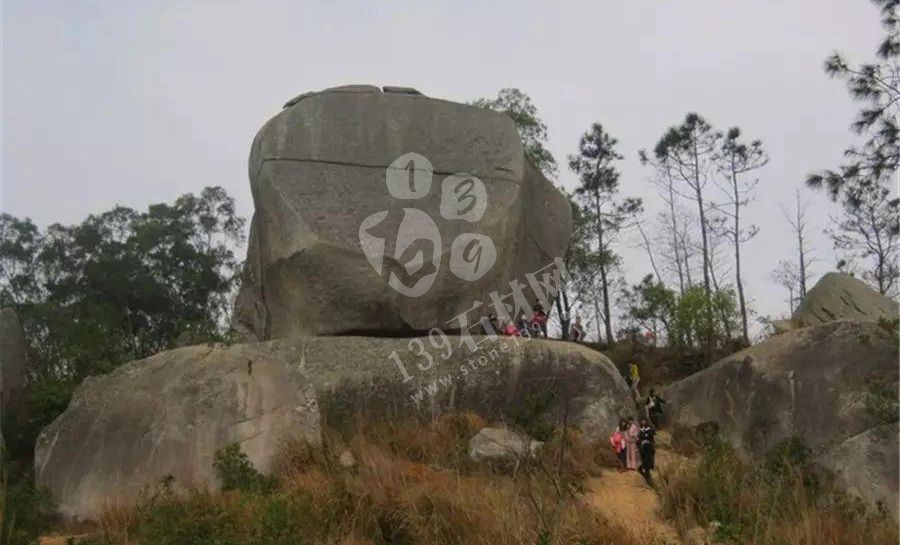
(838, 296)
(831, 386)
(169, 414)
(13, 353)
(372, 206)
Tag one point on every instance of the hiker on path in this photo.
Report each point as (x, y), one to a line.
(654, 408)
(632, 456)
(634, 376)
(617, 440)
(647, 450)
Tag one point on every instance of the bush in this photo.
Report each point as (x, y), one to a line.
(411, 484)
(780, 500)
(235, 471)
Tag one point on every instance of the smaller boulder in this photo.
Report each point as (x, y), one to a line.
(346, 459)
(838, 296)
(501, 445)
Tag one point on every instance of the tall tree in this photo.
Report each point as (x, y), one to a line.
(787, 276)
(877, 85)
(735, 159)
(580, 263)
(123, 284)
(518, 106)
(598, 194)
(674, 242)
(868, 227)
(796, 217)
(869, 230)
(690, 149)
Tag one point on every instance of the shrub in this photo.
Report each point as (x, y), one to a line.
(407, 487)
(235, 471)
(779, 500)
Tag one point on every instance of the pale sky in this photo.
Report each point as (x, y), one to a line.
(114, 102)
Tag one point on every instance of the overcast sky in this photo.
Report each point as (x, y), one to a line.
(137, 102)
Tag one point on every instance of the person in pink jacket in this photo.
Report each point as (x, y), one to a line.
(617, 440)
(632, 456)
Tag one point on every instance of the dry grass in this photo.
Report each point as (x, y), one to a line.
(782, 500)
(411, 484)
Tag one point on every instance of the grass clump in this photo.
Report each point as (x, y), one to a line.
(779, 500)
(410, 484)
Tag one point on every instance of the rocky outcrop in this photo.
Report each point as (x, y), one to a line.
(13, 353)
(838, 296)
(831, 386)
(867, 465)
(372, 206)
(501, 445)
(169, 414)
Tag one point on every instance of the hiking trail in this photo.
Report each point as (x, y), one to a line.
(625, 498)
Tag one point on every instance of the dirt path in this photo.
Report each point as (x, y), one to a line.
(624, 497)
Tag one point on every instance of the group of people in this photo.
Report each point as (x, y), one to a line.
(524, 326)
(635, 447)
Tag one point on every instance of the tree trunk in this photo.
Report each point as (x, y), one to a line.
(706, 288)
(562, 308)
(745, 335)
(604, 285)
(649, 249)
(675, 239)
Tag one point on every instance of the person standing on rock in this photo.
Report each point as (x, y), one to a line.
(632, 456)
(647, 450)
(576, 330)
(539, 321)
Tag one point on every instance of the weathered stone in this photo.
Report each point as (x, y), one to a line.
(819, 384)
(867, 465)
(501, 445)
(838, 296)
(169, 414)
(319, 168)
(401, 90)
(13, 356)
(346, 459)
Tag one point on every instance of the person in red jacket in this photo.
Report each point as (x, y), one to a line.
(617, 440)
(539, 321)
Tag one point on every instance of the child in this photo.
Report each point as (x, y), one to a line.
(617, 440)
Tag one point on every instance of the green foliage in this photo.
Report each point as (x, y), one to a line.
(876, 85)
(122, 284)
(529, 417)
(600, 208)
(683, 318)
(881, 399)
(518, 106)
(24, 509)
(763, 501)
(22, 423)
(235, 471)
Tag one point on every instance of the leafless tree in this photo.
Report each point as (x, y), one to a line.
(796, 217)
(787, 276)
